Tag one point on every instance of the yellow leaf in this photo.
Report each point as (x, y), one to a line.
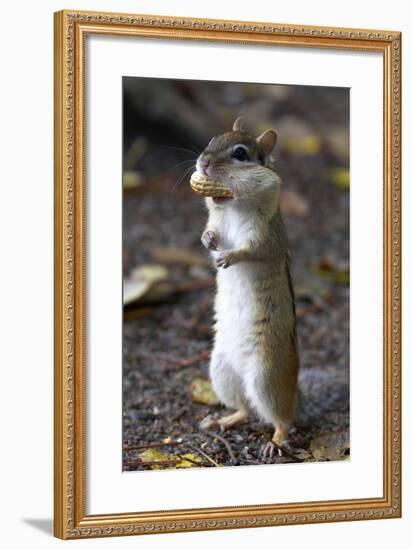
(187, 460)
(340, 177)
(153, 455)
(334, 269)
(201, 391)
(311, 145)
(306, 145)
(141, 280)
(338, 277)
(131, 180)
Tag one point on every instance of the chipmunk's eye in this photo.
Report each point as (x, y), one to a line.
(240, 153)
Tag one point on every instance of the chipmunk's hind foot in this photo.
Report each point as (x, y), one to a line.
(280, 435)
(275, 446)
(270, 451)
(233, 419)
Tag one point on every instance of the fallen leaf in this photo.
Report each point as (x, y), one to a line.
(178, 255)
(338, 277)
(308, 145)
(187, 460)
(153, 455)
(333, 269)
(302, 454)
(294, 203)
(141, 280)
(201, 391)
(131, 180)
(330, 446)
(340, 177)
(160, 292)
(140, 292)
(135, 153)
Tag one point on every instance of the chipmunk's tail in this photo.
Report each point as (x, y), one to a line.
(321, 391)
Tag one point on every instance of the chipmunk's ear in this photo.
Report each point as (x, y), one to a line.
(267, 141)
(239, 125)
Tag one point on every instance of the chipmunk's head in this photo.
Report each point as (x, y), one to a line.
(243, 163)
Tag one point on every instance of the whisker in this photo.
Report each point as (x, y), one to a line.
(182, 178)
(195, 149)
(183, 149)
(178, 165)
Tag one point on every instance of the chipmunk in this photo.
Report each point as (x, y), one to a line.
(254, 362)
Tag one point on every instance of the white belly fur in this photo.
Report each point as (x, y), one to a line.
(250, 364)
(235, 303)
(235, 307)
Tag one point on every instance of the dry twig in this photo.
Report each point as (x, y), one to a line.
(150, 445)
(195, 462)
(224, 441)
(209, 458)
(153, 462)
(286, 452)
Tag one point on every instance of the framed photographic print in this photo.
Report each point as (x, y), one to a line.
(227, 274)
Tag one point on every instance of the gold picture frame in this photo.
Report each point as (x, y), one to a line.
(71, 520)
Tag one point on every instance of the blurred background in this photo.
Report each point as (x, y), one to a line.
(169, 283)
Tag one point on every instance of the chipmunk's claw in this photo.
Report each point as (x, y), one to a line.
(210, 240)
(225, 259)
(270, 450)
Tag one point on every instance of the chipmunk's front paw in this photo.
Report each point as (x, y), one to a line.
(210, 240)
(226, 259)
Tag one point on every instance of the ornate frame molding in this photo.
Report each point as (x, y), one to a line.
(71, 520)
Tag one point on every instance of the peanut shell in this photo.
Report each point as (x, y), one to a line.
(208, 187)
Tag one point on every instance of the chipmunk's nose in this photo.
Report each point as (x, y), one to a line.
(204, 163)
